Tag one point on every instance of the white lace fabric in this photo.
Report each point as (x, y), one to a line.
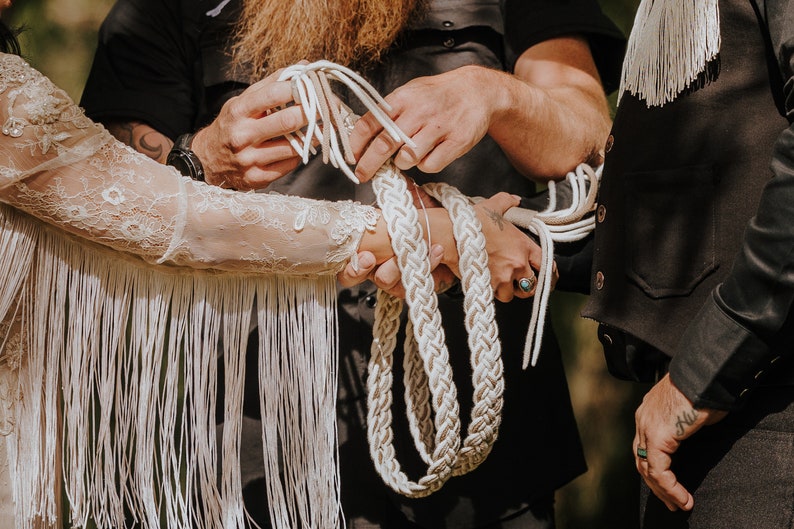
(86, 332)
(57, 165)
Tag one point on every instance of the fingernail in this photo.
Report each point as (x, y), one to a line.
(437, 251)
(366, 261)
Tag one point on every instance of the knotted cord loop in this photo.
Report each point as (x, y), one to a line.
(431, 395)
(567, 225)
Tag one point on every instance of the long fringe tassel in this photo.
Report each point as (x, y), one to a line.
(115, 404)
(671, 43)
(300, 442)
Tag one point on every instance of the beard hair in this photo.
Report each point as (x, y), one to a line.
(273, 34)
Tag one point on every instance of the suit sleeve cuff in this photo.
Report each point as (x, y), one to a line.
(718, 360)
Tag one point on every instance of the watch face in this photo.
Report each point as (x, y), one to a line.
(186, 163)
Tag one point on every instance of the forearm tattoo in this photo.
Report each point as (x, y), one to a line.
(142, 138)
(496, 218)
(685, 420)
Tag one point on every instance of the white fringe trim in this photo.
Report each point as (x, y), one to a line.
(116, 396)
(671, 43)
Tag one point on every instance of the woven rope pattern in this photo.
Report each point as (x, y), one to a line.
(431, 395)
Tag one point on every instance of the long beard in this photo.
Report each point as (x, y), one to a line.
(273, 34)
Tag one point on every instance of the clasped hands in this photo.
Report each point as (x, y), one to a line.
(511, 253)
(245, 148)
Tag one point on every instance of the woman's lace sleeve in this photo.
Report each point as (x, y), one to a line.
(62, 168)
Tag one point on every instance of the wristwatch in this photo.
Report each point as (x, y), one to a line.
(184, 159)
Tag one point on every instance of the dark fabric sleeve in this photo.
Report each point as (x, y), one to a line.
(142, 68)
(528, 22)
(745, 326)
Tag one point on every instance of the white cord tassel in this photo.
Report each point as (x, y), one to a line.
(571, 224)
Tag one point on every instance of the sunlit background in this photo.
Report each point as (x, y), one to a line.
(59, 38)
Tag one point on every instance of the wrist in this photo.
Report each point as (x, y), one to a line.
(377, 242)
(204, 153)
(184, 159)
(497, 91)
(441, 233)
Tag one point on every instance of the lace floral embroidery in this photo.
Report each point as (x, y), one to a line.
(58, 166)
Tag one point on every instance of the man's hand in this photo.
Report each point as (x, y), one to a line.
(445, 115)
(244, 148)
(664, 419)
(548, 116)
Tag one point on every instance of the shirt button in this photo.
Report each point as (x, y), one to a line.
(609, 144)
(601, 213)
(447, 23)
(371, 300)
(449, 43)
(599, 280)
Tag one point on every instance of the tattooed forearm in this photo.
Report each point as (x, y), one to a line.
(684, 420)
(122, 132)
(142, 138)
(496, 218)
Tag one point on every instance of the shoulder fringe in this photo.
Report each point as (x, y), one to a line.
(114, 401)
(671, 43)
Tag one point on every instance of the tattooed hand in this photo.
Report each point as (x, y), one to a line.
(511, 253)
(664, 419)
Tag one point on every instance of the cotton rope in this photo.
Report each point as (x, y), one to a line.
(114, 371)
(431, 395)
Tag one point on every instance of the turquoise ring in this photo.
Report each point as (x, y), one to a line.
(526, 284)
(642, 453)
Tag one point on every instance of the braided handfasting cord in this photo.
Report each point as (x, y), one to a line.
(431, 395)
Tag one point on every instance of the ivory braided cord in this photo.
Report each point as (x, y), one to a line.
(430, 389)
(480, 321)
(416, 393)
(402, 221)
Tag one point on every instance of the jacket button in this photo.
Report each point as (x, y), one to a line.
(447, 23)
(599, 280)
(607, 339)
(449, 43)
(371, 300)
(609, 144)
(601, 213)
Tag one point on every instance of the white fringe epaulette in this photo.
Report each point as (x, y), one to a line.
(671, 44)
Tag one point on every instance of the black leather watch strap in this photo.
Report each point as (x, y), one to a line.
(184, 159)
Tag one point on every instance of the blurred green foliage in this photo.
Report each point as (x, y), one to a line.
(59, 38)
